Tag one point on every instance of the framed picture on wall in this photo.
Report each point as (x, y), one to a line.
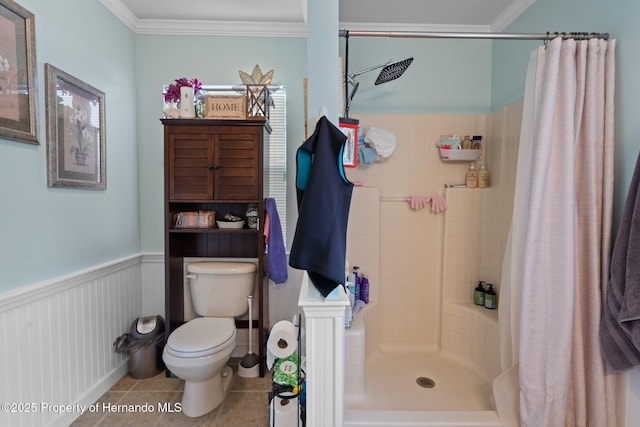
(18, 89)
(350, 153)
(76, 155)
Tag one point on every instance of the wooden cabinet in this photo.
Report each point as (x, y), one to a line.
(221, 165)
(213, 165)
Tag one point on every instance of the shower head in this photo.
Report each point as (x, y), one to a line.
(393, 71)
(390, 71)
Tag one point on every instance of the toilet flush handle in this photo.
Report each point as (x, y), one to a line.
(191, 276)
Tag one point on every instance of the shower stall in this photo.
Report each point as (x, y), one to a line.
(420, 353)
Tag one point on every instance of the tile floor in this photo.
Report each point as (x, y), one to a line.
(246, 404)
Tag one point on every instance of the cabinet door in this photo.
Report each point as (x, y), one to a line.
(236, 174)
(191, 166)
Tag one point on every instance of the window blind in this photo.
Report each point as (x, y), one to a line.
(276, 164)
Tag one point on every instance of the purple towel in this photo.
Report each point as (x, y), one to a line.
(620, 325)
(276, 256)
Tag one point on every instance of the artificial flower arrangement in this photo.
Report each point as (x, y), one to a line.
(172, 96)
(173, 91)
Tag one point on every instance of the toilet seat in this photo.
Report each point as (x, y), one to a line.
(202, 336)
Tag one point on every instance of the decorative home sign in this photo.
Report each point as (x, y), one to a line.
(225, 107)
(18, 90)
(75, 132)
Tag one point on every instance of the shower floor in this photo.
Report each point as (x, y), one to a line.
(391, 384)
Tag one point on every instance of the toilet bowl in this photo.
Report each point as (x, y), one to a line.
(198, 351)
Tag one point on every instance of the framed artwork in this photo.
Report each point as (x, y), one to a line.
(350, 153)
(18, 88)
(76, 155)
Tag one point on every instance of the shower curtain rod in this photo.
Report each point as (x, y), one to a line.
(495, 36)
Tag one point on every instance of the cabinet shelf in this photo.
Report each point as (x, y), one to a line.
(215, 230)
(201, 201)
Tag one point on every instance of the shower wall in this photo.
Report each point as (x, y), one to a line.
(426, 258)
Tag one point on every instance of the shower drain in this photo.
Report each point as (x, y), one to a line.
(425, 382)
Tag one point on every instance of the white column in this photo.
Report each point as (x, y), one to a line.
(324, 344)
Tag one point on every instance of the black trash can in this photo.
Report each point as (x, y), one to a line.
(144, 344)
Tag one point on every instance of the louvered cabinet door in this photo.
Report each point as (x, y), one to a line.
(191, 167)
(236, 173)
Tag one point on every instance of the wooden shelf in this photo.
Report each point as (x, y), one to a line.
(213, 165)
(214, 230)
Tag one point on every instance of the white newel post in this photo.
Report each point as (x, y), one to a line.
(324, 342)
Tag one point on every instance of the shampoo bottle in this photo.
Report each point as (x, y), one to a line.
(466, 143)
(478, 294)
(483, 177)
(476, 142)
(490, 298)
(364, 289)
(351, 281)
(358, 283)
(472, 177)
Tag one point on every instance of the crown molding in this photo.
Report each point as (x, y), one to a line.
(221, 28)
(510, 14)
(384, 27)
(122, 13)
(293, 29)
(213, 28)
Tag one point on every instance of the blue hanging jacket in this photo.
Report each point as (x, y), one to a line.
(324, 197)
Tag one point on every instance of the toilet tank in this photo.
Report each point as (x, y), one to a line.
(220, 289)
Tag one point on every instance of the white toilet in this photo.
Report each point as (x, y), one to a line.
(199, 350)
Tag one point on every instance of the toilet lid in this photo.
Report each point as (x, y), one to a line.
(202, 336)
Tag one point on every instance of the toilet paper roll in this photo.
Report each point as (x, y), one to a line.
(283, 340)
(284, 412)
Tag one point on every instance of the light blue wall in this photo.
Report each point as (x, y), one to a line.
(446, 76)
(66, 230)
(72, 229)
(47, 232)
(323, 67)
(454, 75)
(621, 19)
(213, 60)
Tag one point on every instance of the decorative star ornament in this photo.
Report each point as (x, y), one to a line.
(256, 77)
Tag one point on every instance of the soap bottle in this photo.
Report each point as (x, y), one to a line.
(476, 142)
(490, 298)
(350, 288)
(348, 310)
(483, 177)
(351, 280)
(357, 282)
(466, 143)
(478, 294)
(472, 177)
(364, 289)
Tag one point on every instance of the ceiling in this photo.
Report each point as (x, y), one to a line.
(288, 17)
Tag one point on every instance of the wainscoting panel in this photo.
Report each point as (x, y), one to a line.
(57, 341)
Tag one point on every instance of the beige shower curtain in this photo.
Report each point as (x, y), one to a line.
(556, 260)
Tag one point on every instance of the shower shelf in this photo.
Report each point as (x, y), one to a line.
(448, 155)
(491, 314)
